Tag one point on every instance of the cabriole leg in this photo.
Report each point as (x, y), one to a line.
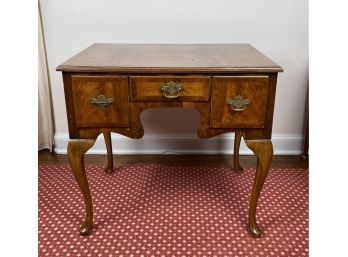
(110, 165)
(237, 139)
(76, 151)
(263, 150)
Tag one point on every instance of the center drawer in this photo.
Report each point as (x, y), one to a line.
(170, 88)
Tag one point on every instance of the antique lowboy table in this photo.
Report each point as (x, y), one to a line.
(232, 86)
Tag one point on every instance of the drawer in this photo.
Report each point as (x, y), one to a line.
(239, 101)
(170, 88)
(100, 101)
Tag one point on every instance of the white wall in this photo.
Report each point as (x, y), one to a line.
(279, 29)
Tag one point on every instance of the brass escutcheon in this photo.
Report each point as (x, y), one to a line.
(171, 89)
(101, 101)
(238, 103)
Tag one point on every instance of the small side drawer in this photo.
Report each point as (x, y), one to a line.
(170, 88)
(239, 101)
(100, 101)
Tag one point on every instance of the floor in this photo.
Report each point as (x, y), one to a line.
(151, 207)
(279, 161)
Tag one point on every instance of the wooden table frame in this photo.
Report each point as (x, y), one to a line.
(258, 69)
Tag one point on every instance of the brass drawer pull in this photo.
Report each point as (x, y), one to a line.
(101, 101)
(238, 104)
(171, 89)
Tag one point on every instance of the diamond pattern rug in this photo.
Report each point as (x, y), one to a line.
(158, 210)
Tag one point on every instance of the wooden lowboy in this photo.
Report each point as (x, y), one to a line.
(107, 86)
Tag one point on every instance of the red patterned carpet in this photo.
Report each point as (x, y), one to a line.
(172, 211)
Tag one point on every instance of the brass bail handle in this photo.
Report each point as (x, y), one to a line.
(171, 89)
(238, 103)
(101, 101)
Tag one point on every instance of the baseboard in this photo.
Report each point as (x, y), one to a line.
(284, 144)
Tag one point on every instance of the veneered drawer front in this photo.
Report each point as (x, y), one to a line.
(239, 101)
(100, 101)
(170, 88)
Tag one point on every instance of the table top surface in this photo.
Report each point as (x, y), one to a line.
(169, 58)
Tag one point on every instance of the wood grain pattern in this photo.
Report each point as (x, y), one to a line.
(254, 88)
(132, 74)
(84, 88)
(110, 164)
(147, 88)
(237, 139)
(267, 130)
(135, 128)
(76, 151)
(69, 103)
(263, 150)
(170, 58)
